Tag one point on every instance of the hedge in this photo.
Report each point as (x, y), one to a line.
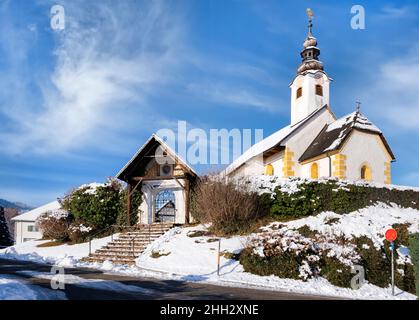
(414, 254)
(314, 197)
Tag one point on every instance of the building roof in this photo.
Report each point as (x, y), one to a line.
(332, 137)
(32, 215)
(144, 150)
(272, 141)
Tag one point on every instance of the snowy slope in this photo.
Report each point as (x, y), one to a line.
(13, 288)
(195, 258)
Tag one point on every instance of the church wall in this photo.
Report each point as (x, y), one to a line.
(363, 148)
(323, 166)
(254, 166)
(277, 162)
(299, 142)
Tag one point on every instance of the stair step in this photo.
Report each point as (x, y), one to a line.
(116, 255)
(116, 247)
(114, 261)
(129, 245)
(118, 251)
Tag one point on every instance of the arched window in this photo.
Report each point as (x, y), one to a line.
(299, 92)
(319, 90)
(314, 171)
(163, 197)
(269, 170)
(366, 173)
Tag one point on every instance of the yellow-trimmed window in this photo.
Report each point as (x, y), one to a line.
(314, 171)
(366, 173)
(269, 170)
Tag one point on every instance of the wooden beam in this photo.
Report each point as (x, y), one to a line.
(187, 187)
(157, 178)
(129, 195)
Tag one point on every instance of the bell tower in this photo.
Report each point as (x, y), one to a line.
(310, 87)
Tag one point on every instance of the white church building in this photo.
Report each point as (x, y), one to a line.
(316, 144)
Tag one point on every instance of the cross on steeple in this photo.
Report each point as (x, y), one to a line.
(358, 106)
(310, 21)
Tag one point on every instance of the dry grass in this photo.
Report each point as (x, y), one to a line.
(231, 207)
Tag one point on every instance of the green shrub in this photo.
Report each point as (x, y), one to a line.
(414, 253)
(101, 206)
(376, 264)
(307, 232)
(314, 197)
(335, 271)
(284, 266)
(136, 199)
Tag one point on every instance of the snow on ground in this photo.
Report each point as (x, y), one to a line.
(13, 288)
(89, 283)
(64, 255)
(195, 258)
(372, 222)
(264, 183)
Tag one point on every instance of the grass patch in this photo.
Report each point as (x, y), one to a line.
(198, 233)
(230, 255)
(307, 232)
(158, 254)
(48, 244)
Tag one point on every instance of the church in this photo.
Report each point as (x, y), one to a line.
(316, 144)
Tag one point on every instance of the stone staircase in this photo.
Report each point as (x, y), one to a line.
(130, 244)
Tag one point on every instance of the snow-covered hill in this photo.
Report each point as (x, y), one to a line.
(178, 255)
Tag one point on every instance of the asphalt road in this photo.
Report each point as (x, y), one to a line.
(96, 285)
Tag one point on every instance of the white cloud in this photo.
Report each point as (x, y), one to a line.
(231, 95)
(392, 12)
(109, 59)
(394, 92)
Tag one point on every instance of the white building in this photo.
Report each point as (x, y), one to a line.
(316, 144)
(25, 224)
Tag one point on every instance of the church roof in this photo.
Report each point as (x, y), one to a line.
(272, 141)
(333, 136)
(145, 151)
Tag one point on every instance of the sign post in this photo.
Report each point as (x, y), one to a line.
(391, 235)
(218, 258)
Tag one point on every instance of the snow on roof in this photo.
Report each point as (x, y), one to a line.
(356, 120)
(165, 145)
(259, 148)
(267, 143)
(333, 135)
(32, 215)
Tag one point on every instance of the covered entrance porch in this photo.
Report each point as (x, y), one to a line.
(165, 181)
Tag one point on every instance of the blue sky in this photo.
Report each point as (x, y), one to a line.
(76, 104)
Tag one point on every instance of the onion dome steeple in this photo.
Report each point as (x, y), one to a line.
(310, 53)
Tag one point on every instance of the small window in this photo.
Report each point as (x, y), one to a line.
(319, 90)
(33, 229)
(299, 92)
(366, 173)
(269, 170)
(314, 171)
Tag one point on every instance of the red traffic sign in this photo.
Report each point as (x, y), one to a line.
(391, 235)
